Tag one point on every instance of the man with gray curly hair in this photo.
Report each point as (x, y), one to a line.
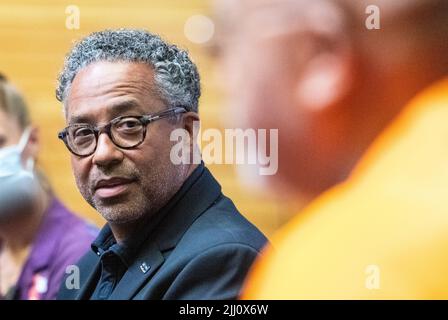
(170, 232)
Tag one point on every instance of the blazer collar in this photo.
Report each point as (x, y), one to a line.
(200, 196)
(202, 193)
(89, 270)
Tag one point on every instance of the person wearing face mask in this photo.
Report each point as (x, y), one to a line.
(39, 237)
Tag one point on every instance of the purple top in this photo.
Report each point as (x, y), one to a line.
(62, 240)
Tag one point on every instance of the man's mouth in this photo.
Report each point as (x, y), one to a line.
(112, 187)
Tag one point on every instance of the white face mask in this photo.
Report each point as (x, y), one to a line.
(17, 183)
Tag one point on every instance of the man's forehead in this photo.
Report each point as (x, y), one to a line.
(88, 113)
(115, 85)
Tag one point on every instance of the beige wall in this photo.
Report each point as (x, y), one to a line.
(33, 42)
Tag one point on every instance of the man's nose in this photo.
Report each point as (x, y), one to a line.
(106, 152)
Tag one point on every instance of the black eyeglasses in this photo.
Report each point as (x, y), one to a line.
(125, 132)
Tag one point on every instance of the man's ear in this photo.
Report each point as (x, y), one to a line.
(328, 72)
(191, 124)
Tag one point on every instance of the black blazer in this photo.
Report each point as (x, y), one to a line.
(201, 249)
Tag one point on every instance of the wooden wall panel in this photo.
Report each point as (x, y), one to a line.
(33, 42)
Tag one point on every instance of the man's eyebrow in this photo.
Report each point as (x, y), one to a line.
(114, 110)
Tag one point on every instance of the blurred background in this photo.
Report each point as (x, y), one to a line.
(34, 39)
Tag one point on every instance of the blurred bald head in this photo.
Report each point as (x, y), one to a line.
(330, 85)
(231, 12)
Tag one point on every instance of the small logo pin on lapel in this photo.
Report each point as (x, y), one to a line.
(144, 267)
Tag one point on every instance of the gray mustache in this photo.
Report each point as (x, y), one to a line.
(108, 174)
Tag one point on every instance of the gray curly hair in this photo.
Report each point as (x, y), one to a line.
(176, 76)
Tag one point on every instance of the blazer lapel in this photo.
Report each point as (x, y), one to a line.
(144, 267)
(202, 194)
(92, 268)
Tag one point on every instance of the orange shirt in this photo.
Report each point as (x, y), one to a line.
(383, 234)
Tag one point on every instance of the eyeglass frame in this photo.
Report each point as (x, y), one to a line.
(145, 120)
